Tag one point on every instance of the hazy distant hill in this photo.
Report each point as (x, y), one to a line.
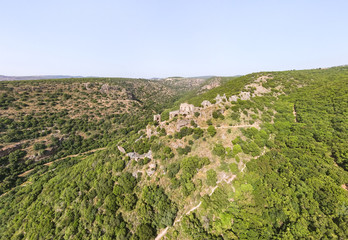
(14, 78)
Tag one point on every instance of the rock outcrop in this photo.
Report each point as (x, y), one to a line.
(152, 169)
(244, 95)
(220, 99)
(121, 149)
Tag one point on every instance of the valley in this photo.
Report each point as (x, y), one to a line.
(259, 156)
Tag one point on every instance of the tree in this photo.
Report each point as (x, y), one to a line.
(127, 182)
(184, 151)
(236, 149)
(215, 115)
(145, 232)
(110, 203)
(119, 165)
(173, 169)
(234, 168)
(129, 202)
(39, 146)
(211, 130)
(254, 149)
(219, 150)
(15, 156)
(197, 133)
(211, 177)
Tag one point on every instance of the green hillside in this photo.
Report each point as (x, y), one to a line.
(271, 167)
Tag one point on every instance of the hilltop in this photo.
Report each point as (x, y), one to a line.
(258, 156)
(38, 77)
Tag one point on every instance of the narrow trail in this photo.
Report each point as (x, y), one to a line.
(237, 126)
(164, 231)
(294, 112)
(48, 164)
(70, 156)
(243, 167)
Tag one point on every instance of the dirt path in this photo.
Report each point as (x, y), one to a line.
(47, 164)
(70, 156)
(164, 231)
(243, 167)
(294, 112)
(237, 126)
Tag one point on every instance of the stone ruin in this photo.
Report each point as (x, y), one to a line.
(185, 110)
(206, 103)
(152, 169)
(157, 118)
(220, 99)
(233, 98)
(137, 156)
(182, 123)
(174, 114)
(150, 131)
(188, 110)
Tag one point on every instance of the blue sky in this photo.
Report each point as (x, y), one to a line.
(160, 38)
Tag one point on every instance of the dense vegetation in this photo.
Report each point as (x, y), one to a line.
(296, 189)
(282, 176)
(51, 119)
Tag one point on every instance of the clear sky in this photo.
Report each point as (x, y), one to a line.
(160, 38)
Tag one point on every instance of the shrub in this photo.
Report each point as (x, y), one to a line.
(184, 151)
(235, 116)
(173, 169)
(39, 146)
(211, 177)
(237, 140)
(193, 123)
(129, 202)
(215, 115)
(234, 168)
(119, 165)
(212, 131)
(236, 149)
(254, 149)
(145, 232)
(219, 150)
(197, 133)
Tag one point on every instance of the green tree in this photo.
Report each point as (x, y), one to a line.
(237, 149)
(234, 168)
(145, 232)
(129, 202)
(219, 150)
(212, 131)
(127, 182)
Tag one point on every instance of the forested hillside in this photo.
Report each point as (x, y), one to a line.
(45, 120)
(272, 166)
